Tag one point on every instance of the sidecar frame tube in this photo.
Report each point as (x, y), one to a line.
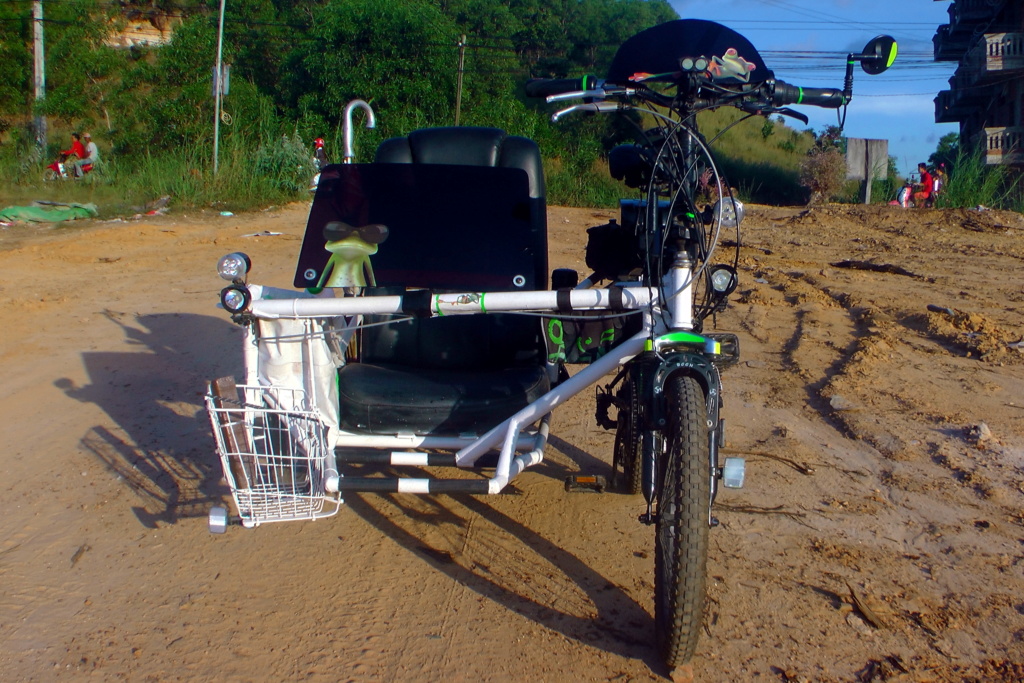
(507, 432)
(616, 299)
(506, 436)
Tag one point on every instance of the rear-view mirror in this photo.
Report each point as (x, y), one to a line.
(878, 55)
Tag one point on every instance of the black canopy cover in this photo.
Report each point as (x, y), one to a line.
(657, 52)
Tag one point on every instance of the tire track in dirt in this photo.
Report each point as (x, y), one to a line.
(880, 392)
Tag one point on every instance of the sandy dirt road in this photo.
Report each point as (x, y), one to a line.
(880, 535)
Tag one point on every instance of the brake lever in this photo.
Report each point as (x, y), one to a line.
(597, 107)
(792, 113)
(759, 110)
(596, 94)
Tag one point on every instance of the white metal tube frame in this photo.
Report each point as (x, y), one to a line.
(507, 436)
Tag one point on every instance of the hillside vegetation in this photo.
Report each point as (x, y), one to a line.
(294, 66)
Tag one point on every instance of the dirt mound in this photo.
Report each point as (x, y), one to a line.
(895, 218)
(971, 334)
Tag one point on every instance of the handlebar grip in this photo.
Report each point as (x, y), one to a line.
(829, 98)
(544, 87)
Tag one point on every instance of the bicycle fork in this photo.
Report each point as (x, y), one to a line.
(652, 372)
(678, 352)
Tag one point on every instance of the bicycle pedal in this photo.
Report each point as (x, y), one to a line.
(595, 483)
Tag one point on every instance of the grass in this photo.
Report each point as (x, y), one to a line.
(590, 186)
(276, 171)
(973, 183)
(761, 160)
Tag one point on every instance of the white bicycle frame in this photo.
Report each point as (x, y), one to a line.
(519, 446)
(664, 308)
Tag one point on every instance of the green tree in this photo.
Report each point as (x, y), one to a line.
(402, 56)
(15, 57)
(79, 66)
(164, 102)
(596, 28)
(947, 152)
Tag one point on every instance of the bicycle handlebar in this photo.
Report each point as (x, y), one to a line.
(830, 98)
(772, 93)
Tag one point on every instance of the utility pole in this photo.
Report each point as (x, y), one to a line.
(462, 64)
(40, 72)
(218, 86)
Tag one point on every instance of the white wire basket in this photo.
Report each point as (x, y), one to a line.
(274, 451)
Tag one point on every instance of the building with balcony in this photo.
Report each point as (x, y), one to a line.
(986, 93)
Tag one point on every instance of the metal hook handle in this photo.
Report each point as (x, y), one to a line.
(371, 122)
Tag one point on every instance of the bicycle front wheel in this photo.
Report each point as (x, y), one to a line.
(681, 542)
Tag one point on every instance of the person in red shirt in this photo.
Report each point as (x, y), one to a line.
(320, 154)
(924, 191)
(77, 148)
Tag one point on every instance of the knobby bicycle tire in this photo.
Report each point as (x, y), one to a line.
(681, 541)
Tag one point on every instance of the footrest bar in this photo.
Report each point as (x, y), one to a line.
(412, 485)
(350, 456)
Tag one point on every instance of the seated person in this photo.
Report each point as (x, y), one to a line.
(923, 191)
(92, 155)
(77, 149)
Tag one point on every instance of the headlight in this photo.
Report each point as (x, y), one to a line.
(693, 63)
(723, 280)
(730, 211)
(234, 267)
(235, 298)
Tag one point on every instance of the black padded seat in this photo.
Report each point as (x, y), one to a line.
(387, 399)
(455, 374)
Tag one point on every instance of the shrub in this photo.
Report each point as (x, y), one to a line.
(286, 163)
(823, 172)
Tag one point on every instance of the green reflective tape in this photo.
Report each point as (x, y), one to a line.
(682, 338)
(559, 336)
(801, 98)
(556, 335)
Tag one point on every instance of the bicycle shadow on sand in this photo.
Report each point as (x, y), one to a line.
(502, 559)
(158, 438)
(159, 441)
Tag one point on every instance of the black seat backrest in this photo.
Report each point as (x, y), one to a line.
(485, 147)
(465, 146)
(485, 257)
(464, 208)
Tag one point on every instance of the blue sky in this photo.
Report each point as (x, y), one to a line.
(805, 42)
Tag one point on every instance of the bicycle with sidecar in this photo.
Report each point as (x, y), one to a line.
(425, 329)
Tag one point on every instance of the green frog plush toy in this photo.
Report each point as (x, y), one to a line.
(351, 249)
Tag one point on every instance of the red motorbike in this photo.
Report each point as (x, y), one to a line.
(64, 168)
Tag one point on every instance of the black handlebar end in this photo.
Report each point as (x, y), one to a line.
(545, 87)
(829, 98)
